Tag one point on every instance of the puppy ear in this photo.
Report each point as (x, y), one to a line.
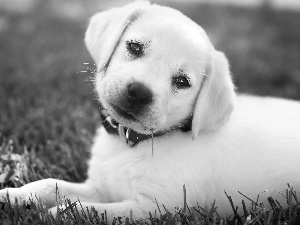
(106, 28)
(216, 98)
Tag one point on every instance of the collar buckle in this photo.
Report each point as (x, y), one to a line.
(124, 133)
(128, 142)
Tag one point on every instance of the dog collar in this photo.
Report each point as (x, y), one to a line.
(131, 137)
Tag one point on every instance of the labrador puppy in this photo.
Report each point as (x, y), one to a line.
(172, 118)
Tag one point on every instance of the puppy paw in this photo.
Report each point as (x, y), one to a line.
(62, 208)
(16, 196)
(54, 210)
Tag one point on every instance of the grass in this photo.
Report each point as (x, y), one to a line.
(49, 113)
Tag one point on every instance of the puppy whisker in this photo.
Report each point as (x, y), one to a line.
(152, 134)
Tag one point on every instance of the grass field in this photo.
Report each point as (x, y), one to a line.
(48, 112)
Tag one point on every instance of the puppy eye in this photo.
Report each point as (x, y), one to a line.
(181, 82)
(135, 48)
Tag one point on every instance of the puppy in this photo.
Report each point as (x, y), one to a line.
(172, 118)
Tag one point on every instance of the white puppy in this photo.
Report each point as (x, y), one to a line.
(159, 74)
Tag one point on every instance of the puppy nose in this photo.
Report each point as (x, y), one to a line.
(138, 94)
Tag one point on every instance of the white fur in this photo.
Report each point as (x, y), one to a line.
(241, 143)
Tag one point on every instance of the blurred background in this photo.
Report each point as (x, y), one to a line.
(47, 104)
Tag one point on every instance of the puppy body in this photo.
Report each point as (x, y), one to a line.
(253, 153)
(236, 143)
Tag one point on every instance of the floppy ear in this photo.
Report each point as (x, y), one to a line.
(216, 98)
(106, 28)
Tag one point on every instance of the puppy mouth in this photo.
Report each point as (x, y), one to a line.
(130, 120)
(123, 113)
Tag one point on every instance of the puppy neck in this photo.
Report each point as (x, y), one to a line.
(130, 136)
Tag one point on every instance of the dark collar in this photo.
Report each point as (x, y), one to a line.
(131, 137)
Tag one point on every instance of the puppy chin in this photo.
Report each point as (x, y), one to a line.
(138, 123)
(140, 126)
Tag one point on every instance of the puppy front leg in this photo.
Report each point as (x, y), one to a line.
(140, 210)
(45, 192)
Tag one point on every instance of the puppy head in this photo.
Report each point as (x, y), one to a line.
(157, 69)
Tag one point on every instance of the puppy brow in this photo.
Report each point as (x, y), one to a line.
(203, 72)
(141, 41)
(135, 40)
(180, 71)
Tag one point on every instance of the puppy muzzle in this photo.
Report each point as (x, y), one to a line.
(136, 97)
(134, 101)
